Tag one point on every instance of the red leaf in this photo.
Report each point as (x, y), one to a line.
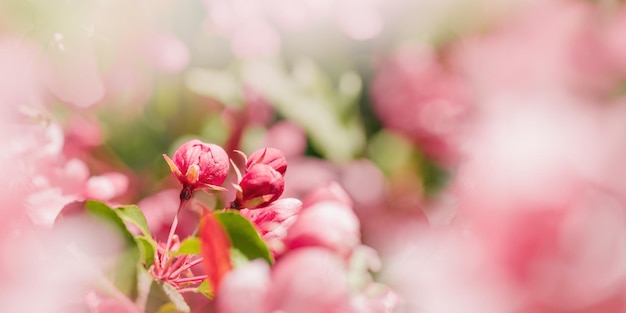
(215, 248)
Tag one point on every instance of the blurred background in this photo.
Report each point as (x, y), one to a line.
(482, 141)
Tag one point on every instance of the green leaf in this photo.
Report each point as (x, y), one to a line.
(107, 214)
(205, 289)
(308, 97)
(123, 274)
(147, 247)
(243, 236)
(132, 214)
(190, 245)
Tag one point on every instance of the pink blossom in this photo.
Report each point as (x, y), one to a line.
(534, 191)
(18, 80)
(71, 72)
(165, 52)
(82, 134)
(287, 137)
(270, 156)
(287, 287)
(328, 224)
(250, 282)
(365, 183)
(291, 289)
(568, 52)
(106, 186)
(415, 94)
(199, 165)
(260, 186)
(611, 37)
(306, 173)
(274, 221)
(331, 191)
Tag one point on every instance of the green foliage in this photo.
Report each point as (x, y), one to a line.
(190, 245)
(309, 97)
(147, 248)
(132, 214)
(243, 236)
(123, 274)
(205, 289)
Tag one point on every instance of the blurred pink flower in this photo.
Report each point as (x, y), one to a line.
(287, 287)
(571, 51)
(306, 173)
(292, 290)
(70, 70)
(50, 178)
(251, 282)
(331, 191)
(325, 286)
(535, 190)
(328, 224)
(106, 186)
(255, 27)
(365, 183)
(82, 134)
(612, 38)
(415, 94)
(19, 85)
(287, 137)
(165, 52)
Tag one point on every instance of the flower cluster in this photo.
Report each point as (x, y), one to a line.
(322, 235)
(475, 148)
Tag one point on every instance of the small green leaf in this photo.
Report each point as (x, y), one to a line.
(132, 214)
(205, 289)
(190, 245)
(237, 258)
(147, 247)
(243, 236)
(124, 273)
(169, 308)
(104, 212)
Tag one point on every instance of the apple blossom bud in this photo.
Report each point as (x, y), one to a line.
(260, 186)
(199, 165)
(270, 156)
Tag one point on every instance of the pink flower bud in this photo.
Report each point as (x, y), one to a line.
(260, 186)
(270, 156)
(199, 165)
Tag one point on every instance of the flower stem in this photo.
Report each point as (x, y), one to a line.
(168, 246)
